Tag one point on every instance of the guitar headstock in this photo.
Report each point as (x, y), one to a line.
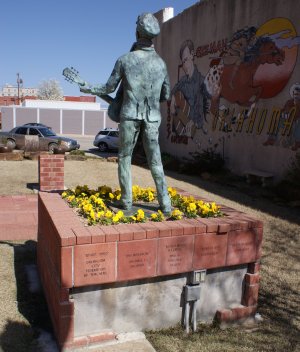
(71, 75)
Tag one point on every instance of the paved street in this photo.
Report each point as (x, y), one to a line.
(86, 144)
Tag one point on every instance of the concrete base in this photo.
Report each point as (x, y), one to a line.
(152, 303)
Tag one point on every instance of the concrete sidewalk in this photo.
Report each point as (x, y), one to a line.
(18, 217)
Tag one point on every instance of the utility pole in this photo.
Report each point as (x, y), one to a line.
(19, 83)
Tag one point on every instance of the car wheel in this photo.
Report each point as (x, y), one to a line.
(51, 147)
(102, 147)
(11, 143)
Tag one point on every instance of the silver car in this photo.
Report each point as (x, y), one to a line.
(47, 140)
(107, 139)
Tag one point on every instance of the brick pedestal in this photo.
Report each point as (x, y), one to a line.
(72, 256)
(51, 172)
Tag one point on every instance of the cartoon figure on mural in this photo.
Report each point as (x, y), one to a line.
(239, 62)
(292, 141)
(189, 96)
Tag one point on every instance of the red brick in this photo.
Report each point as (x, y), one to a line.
(188, 227)
(253, 268)
(164, 229)
(175, 254)
(223, 227)
(224, 315)
(97, 234)
(152, 231)
(259, 234)
(137, 259)
(101, 337)
(66, 308)
(111, 233)
(66, 262)
(77, 342)
(176, 228)
(209, 251)
(211, 225)
(250, 296)
(242, 247)
(83, 236)
(63, 294)
(65, 235)
(199, 226)
(94, 264)
(251, 279)
(243, 312)
(65, 329)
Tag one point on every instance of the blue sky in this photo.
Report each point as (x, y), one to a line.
(41, 37)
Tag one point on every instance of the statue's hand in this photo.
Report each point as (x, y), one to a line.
(85, 87)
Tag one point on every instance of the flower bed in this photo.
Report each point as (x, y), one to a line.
(94, 205)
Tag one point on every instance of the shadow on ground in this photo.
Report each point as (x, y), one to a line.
(20, 336)
(236, 189)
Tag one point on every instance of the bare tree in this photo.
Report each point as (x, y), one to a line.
(50, 90)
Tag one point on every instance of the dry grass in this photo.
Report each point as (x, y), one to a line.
(22, 313)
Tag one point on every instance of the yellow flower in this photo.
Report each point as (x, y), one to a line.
(214, 207)
(111, 196)
(92, 215)
(176, 214)
(100, 214)
(108, 214)
(140, 215)
(192, 207)
(172, 191)
(154, 216)
(115, 219)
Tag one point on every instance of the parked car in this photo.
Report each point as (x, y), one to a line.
(36, 124)
(48, 140)
(107, 139)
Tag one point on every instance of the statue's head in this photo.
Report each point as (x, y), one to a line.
(147, 26)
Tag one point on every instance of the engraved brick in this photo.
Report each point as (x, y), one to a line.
(242, 247)
(174, 254)
(209, 251)
(137, 259)
(94, 264)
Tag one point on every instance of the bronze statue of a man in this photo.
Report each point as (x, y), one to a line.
(145, 83)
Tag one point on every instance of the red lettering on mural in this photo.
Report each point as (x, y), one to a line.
(211, 48)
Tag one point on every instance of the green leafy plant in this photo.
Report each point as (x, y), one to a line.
(77, 152)
(207, 160)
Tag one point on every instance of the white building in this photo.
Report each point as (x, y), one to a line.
(12, 91)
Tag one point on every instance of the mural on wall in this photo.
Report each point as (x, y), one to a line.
(255, 64)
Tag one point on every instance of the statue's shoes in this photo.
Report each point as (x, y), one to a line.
(122, 205)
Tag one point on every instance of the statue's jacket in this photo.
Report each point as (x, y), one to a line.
(145, 83)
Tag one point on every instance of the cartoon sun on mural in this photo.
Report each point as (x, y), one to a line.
(256, 63)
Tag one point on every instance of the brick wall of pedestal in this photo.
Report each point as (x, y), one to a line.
(73, 255)
(51, 172)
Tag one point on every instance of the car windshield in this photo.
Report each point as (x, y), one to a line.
(46, 132)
